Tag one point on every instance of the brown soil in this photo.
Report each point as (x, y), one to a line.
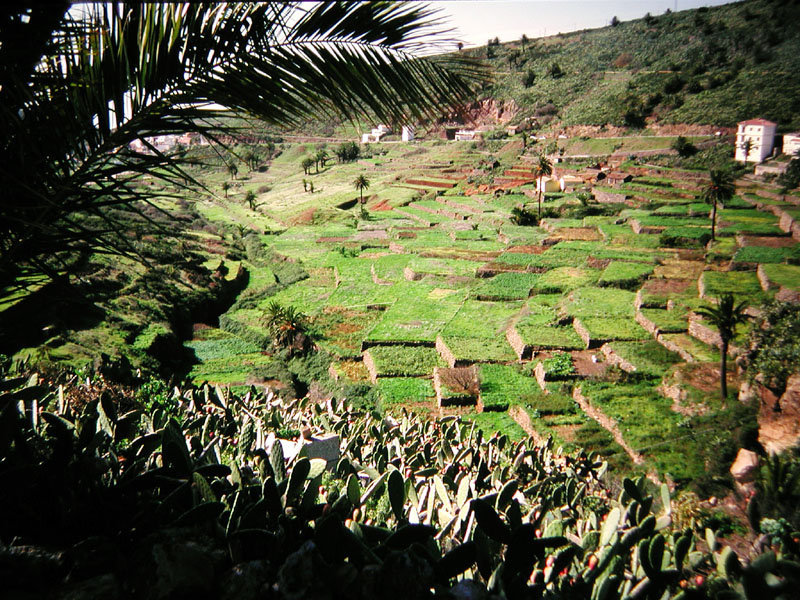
(381, 205)
(354, 370)
(662, 287)
(527, 249)
(429, 183)
(582, 360)
(306, 217)
(770, 242)
(597, 263)
(705, 377)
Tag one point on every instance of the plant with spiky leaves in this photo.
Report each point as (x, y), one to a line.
(719, 190)
(725, 315)
(82, 97)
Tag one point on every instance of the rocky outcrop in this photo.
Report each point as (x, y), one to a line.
(744, 467)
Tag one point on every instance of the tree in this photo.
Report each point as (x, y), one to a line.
(790, 179)
(307, 163)
(319, 158)
(361, 183)
(614, 21)
(233, 170)
(684, 147)
(347, 152)
(542, 169)
(523, 40)
(289, 328)
(225, 187)
(250, 198)
(305, 184)
(747, 147)
(720, 189)
(83, 96)
(775, 346)
(726, 315)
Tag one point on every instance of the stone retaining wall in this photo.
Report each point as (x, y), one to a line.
(615, 359)
(522, 350)
(369, 362)
(649, 325)
(445, 352)
(582, 332)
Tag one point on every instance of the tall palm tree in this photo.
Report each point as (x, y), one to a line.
(726, 315)
(250, 199)
(319, 158)
(82, 98)
(225, 187)
(361, 183)
(542, 169)
(720, 189)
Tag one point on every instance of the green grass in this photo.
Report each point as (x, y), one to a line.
(613, 328)
(401, 390)
(206, 350)
(743, 284)
(497, 422)
(599, 302)
(763, 254)
(506, 286)
(784, 275)
(649, 357)
(502, 385)
(564, 279)
(624, 274)
(668, 321)
(419, 314)
(404, 361)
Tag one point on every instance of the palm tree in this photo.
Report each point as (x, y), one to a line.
(225, 187)
(250, 198)
(725, 316)
(319, 158)
(82, 98)
(541, 170)
(746, 146)
(289, 328)
(720, 189)
(307, 163)
(361, 183)
(233, 170)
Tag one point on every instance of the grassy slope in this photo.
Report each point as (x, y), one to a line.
(716, 66)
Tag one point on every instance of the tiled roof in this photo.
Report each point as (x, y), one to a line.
(757, 122)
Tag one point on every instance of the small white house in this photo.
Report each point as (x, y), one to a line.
(547, 185)
(754, 140)
(569, 183)
(791, 143)
(407, 133)
(466, 135)
(375, 135)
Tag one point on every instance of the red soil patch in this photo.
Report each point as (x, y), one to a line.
(597, 263)
(381, 205)
(306, 217)
(770, 242)
(527, 249)
(662, 287)
(429, 183)
(323, 240)
(585, 367)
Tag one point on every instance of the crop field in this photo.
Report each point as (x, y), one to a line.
(435, 274)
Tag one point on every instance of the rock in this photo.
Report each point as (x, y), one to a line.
(325, 447)
(791, 397)
(744, 467)
(246, 581)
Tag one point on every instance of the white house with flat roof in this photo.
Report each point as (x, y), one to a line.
(754, 140)
(791, 143)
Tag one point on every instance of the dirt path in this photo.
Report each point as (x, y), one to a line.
(609, 425)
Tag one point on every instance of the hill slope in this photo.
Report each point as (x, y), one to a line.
(707, 66)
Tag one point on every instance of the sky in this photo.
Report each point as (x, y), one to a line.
(480, 20)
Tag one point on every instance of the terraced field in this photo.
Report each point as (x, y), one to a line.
(450, 307)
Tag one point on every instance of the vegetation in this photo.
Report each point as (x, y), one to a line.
(725, 315)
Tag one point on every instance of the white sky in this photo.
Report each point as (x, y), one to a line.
(480, 20)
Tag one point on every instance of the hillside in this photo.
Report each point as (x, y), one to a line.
(711, 66)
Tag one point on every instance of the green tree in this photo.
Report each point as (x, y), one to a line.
(319, 158)
(791, 178)
(250, 199)
(747, 147)
(225, 187)
(290, 329)
(775, 345)
(361, 183)
(726, 315)
(720, 189)
(307, 163)
(684, 147)
(85, 93)
(233, 170)
(543, 168)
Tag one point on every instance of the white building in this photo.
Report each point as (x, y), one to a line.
(569, 183)
(547, 185)
(408, 133)
(760, 134)
(375, 135)
(791, 143)
(465, 135)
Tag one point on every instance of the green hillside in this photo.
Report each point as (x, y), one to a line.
(711, 66)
